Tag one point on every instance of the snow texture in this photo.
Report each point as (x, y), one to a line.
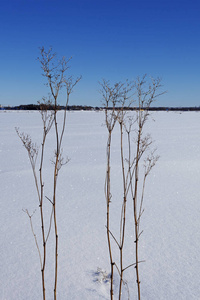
(170, 244)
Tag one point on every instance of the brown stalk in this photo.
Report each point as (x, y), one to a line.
(118, 97)
(145, 99)
(110, 96)
(123, 221)
(55, 75)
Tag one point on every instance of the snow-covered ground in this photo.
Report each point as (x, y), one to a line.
(170, 244)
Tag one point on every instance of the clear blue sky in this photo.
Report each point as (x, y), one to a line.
(108, 39)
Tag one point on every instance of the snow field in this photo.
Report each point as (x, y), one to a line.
(170, 242)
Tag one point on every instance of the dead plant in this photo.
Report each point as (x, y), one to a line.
(55, 73)
(118, 106)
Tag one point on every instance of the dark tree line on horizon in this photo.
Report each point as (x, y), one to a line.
(94, 108)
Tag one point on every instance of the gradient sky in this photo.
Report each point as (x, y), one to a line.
(108, 39)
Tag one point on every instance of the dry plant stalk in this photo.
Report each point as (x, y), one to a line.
(146, 95)
(32, 149)
(117, 100)
(55, 73)
(110, 95)
(115, 96)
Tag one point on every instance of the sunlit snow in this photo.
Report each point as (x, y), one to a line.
(170, 244)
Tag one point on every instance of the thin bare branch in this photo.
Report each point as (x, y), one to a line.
(134, 264)
(35, 237)
(49, 199)
(113, 237)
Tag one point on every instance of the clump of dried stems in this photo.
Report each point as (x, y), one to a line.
(55, 72)
(117, 99)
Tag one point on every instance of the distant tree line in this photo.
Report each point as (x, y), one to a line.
(92, 108)
(48, 107)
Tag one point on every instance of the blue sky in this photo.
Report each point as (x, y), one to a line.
(108, 39)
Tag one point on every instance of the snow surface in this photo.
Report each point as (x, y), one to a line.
(170, 244)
